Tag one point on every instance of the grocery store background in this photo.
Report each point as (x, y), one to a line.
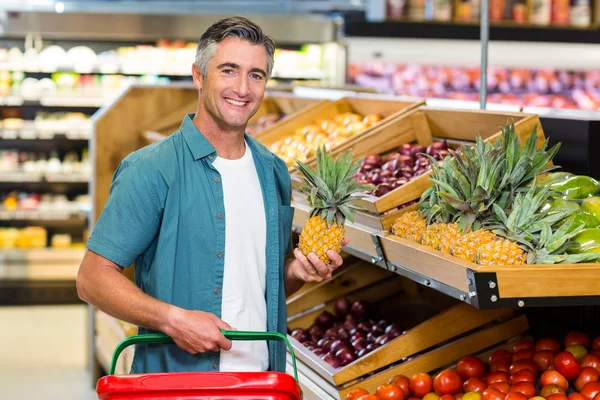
(64, 63)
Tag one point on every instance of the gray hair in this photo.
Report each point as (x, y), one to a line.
(239, 27)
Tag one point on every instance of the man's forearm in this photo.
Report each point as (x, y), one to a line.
(292, 284)
(110, 291)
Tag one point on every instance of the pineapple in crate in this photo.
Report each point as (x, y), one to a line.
(331, 192)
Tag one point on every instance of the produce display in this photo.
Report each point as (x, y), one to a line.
(262, 123)
(329, 132)
(497, 204)
(541, 370)
(328, 191)
(396, 169)
(519, 86)
(353, 332)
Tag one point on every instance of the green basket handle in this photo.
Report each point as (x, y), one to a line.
(160, 338)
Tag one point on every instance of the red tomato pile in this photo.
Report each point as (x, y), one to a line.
(545, 370)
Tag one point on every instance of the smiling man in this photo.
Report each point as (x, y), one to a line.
(205, 217)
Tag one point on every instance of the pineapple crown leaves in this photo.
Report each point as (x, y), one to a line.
(552, 246)
(332, 189)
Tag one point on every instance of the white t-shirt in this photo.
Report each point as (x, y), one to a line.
(244, 305)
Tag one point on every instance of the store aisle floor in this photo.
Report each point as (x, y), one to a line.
(43, 353)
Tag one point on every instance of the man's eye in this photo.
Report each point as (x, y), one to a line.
(257, 76)
(228, 71)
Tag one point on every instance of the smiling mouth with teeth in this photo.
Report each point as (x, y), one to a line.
(237, 103)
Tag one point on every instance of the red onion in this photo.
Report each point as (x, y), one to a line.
(382, 189)
(325, 344)
(372, 159)
(375, 178)
(332, 360)
(366, 168)
(422, 162)
(373, 346)
(319, 351)
(363, 352)
(386, 174)
(365, 326)
(378, 329)
(390, 165)
(418, 149)
(420, 172)
(325, 319)
(300, 335)
(349, 324)
(343, 333)
(316, 331)
(309, 343)
(383, 339)
(393, 333)
(391, 327)
(339, 344)
(331, 332)
(406, 161)
(360, 310)
(342, 307)
(345, 356)
(372, 337)
(360, 344)
(406, 149)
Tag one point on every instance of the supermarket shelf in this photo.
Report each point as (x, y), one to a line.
(54, 101)
(35, 177)
(45, 256)
(30, 292)
(44, 218)
(59, 142)
(482, 287)
(468, 31)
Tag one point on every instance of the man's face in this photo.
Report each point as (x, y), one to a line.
(235, 82)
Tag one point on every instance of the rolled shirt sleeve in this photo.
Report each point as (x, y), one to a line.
(132, 215)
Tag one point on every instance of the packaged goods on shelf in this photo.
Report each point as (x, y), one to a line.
(521, 86)
(19, 165)
(24, 238)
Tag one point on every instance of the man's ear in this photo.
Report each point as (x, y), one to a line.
(197, 77)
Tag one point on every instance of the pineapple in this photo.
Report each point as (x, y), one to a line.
(410, 225)
(450, 237)
(331, 191)
(500, 252)
(466, 247)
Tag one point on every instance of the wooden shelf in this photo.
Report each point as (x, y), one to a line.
(482, 287)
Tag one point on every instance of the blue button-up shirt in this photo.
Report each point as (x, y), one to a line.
(162, 215)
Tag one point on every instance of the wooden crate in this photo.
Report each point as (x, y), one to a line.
(387, 108)
(422, 125)
(285, 104)
(433, 323)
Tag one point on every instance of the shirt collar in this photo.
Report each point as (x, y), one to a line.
(198, 144)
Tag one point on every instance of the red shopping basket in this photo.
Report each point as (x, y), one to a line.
(200, 385)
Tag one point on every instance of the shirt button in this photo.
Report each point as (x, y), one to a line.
(219, 215)
(217, 291)
(214, 365)
(217, 180)
(210, 156)
(219, 254)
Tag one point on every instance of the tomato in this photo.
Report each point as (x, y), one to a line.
(549, 344)
(576, 396)
(470, 367)
(501, 354)
(516, 396)
(500, 365)
(523, 344)
(421, 384)
(596, 343)
(493, 394)
(567, 365)
(369, 397)
(575, 337)
(544, 359)
(554, 378)
(389, 391)
(590, 360)
(472, 396)
(523, 375)
(355, 394)
(447, 382)
(524, 364)
(474, 385)
(577, 350)
(590, 390)
(557, 396)
(527, 388)
(551, 389)
(403, 382)
(498, 376)
(588, 374)
(523, 354)
(501, 386)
